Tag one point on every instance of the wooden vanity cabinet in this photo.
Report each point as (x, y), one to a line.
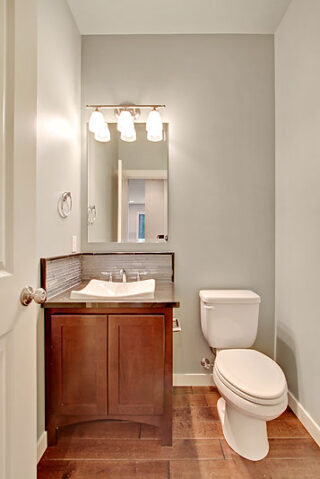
(136, 357)
(109, 365)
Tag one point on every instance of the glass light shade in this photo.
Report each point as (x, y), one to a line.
(129, 135)
(126, 126)
(154, 122)
(103, 133)
(125, 120)
(155, 136)
(96, 121)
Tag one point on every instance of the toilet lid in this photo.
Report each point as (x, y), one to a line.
(252, 373)
(237, 296)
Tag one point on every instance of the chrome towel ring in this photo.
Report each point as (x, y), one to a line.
(65, 204)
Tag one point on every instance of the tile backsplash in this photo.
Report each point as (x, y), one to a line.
(62, 273)
(157, 266)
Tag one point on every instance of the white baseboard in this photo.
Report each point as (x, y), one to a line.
(192, 380)
(42, 445)
(311, 426)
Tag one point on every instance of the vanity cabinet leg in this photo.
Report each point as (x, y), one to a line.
(166, 431)
(166, 423)
(52, 433)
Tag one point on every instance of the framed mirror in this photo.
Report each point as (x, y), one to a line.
(128, 188)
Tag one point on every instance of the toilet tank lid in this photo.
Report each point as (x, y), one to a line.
(213, 296)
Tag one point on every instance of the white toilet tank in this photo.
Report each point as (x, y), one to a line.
(229, 318)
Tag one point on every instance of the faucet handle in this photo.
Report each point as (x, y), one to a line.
(141, 273)
(123, 275)
(106, 273)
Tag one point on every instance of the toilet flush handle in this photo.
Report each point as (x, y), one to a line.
(206, 306)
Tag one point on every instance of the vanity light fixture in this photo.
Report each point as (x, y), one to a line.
(126, 115)
(129, 135)
(102, 134)
(96, 121)
(154, 126)
(126, 126)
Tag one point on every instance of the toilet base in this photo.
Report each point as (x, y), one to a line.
(246, 435)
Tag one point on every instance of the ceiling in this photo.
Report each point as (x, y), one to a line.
(177, 16)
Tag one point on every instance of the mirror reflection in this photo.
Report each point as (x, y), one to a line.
(128, 188)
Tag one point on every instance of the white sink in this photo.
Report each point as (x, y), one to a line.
(106, 289)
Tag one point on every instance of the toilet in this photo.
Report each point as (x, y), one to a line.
(253, 387)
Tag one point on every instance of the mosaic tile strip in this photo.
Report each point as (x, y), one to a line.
(62, 274)
(157, 266)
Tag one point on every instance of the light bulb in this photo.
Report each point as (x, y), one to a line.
(154, 126)
(103, 133)
(96, 121)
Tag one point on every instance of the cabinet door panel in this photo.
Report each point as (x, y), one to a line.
(136, 349)
(79, 364)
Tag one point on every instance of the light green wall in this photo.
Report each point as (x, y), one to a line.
(143, 154)
(219, 92)
(297, 57)
(58, 156)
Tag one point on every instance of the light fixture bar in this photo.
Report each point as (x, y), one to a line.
(126, 106)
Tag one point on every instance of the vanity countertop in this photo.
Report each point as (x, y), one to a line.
(164, 295)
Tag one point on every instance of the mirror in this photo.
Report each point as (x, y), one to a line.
(128, 188)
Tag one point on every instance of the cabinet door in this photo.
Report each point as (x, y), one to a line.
(136, 348)
(78, 364)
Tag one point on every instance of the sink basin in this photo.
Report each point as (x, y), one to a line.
(106, 289)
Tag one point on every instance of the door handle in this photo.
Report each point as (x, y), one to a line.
(27, 295)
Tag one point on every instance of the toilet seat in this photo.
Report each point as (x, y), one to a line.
(252, 399)
(251, 375)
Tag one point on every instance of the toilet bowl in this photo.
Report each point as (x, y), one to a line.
(253, 390)
(253, 387)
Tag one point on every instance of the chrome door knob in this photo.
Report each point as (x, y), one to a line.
(27, 295)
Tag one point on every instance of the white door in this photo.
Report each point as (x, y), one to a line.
(18, 107)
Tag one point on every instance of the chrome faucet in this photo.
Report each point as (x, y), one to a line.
(124, 275)
(105, 273)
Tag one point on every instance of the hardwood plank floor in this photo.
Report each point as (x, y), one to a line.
(127, 450)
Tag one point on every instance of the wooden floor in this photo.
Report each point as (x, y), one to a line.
(126, 450)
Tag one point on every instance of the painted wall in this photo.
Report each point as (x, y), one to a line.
(297, 58)
(143, 154)
(58, 162)
(137, 191)
(219, 92)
